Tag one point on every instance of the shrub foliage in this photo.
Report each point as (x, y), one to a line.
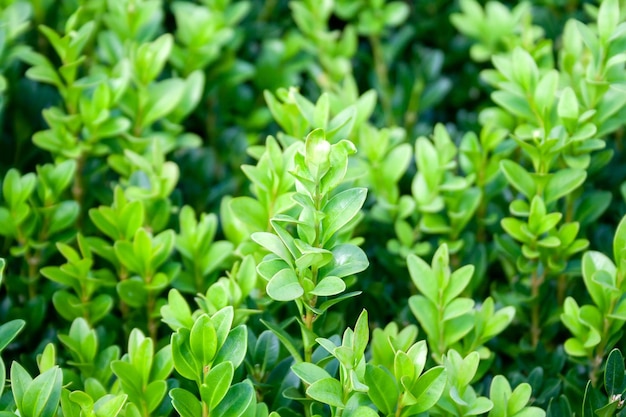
(333, 208)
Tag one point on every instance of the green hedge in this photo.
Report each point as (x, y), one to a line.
(316, 207)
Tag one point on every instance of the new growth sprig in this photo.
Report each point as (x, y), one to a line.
(310, 254)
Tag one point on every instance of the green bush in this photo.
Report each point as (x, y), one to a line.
(324, 208)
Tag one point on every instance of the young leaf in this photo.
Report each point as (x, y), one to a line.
(203, 340)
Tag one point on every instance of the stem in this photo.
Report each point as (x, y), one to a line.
(535, 330)
(410, 117)
(152, 324)
(561, 288)
(309, 318)
(596, 362)
(568, 218)
(142, 99)
(400, 405)
(481, 212)
(205, 410)
(33, 273)
(33, 261)
(123, 306)
(78, 189)
(455, 260)
(441, 347)
(211, 121)
(267, 11)
(383, 79)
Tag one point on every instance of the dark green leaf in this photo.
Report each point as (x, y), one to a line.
(614, 373)
(9, 330)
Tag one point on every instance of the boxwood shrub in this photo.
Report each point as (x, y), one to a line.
(355, 208)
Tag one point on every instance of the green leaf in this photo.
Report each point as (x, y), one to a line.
(361, 333)
(109, 405)
(327, 391)
(328, 286)
(203, 340)
(395, 13)
(459, 280)
(427, 162)
(428, 389)
(234, 348)
(546, 90)
(285, 339)
(185, 403)
(423, 277)
(340, 210)
(3, 371)
(9, 330)
(43, 394)
(498, 322)
(272, 243)
(608, 18)
(63, 216)
(562, 183)
(216, 384)
(514, 104)
(236, 401)
(519, 178)
(2, 265)
(619, 242)
(568, 104)
(347, 260)
(176, 313)
(184, 362)
(520, 397)
(250, 212)
(164, 97)
(20, 381)
(383, 389)
(284, 286)
(223, 322)
(614, 373)
(309, 373)
(133, 291)
(134, 262)
(154, 394)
